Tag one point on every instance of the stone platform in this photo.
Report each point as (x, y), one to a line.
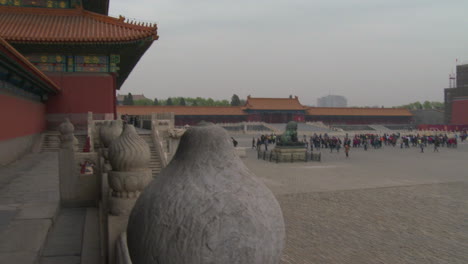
(289, 154)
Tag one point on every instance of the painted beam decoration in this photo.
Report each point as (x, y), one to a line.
(79, 63)
(91, 64)
(42, 3)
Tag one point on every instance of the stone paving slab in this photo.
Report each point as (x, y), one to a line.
(25, 235)
(409, 224)
(61, 260)
(66, 237)
(38, 211)
(29, 202)
(91, 251)
(18, 257)
(386, 205)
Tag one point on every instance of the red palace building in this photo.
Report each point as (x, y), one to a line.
(62, 58)
(456, 99)
(274, 110)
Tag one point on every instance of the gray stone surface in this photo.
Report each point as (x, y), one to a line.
(91, 249)
(38, 211)
(29, 200)
(74, 238)
(65, 238)
(20, 257)
(15, 148)
(405, 224)
(61, 260)
(25, 235)
(109, 131)
(206, 207)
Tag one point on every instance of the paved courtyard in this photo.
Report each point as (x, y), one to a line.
(389, 205)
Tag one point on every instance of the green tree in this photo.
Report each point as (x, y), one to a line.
(427, 105)
(169, 101)
(182, 101)
(222, 103)
(128, 100)
(438, 105)
(235, 101)
(194, 103)
(155, 102)
(143, 102)
(210, 102)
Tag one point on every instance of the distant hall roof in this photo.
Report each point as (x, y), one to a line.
(274, 104)
(181, 110)
(46, 25)
(355, 111)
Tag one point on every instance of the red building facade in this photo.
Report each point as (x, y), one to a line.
(274, 110)
(62, 59)
(459, 111)
(23, 96)
(85, 52)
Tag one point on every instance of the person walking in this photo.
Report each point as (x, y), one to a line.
(346, 147)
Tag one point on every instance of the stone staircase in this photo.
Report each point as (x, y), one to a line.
(155, 161)
(51, 142)
(381, 128)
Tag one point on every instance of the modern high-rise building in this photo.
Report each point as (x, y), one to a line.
(332, 101)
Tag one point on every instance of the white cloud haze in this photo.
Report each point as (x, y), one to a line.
(373, 52)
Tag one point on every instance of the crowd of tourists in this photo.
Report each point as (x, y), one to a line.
(264, 140)
(334, 143)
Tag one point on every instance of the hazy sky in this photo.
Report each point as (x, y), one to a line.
(374, 52)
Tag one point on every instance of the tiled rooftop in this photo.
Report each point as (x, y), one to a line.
(180, 110)
(274, 104)
(354, 111)
(68, 25)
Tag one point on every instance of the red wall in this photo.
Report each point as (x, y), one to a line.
(443, 127)
(20, 117)
(82, 93)
(460, 112)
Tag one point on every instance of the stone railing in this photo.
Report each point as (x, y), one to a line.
(248, 127)
(158, 143)
(78, 171)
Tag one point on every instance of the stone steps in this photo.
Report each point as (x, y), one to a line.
(51, 142)
(155, 160)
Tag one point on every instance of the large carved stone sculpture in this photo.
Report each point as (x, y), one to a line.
(67, 138)
(129, 156)
(206, 207)
(109, 131)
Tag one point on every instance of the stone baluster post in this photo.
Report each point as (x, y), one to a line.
(67, 138)
(67, 164)
(129, 156)
(108, 132)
